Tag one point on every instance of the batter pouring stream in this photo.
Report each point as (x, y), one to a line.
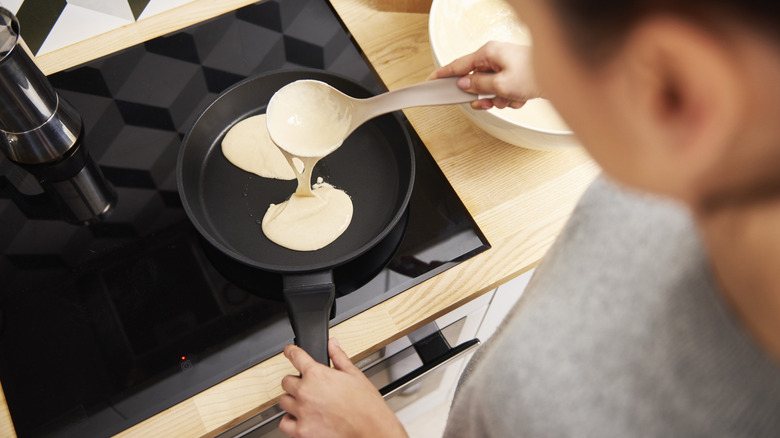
(314, 216)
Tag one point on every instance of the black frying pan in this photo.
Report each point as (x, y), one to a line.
(375, 166)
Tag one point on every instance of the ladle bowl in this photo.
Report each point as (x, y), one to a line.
(309, 118)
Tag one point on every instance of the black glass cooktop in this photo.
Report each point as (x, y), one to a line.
(103, 326)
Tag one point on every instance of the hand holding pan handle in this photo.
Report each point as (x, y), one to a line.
(309, 299)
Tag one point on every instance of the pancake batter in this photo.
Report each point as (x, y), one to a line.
(308, 223)
(248, 146)
(313, 217)
(307, 120)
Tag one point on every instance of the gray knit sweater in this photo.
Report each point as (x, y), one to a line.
(621, 333)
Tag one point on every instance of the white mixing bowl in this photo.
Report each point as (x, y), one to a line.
(459, 27)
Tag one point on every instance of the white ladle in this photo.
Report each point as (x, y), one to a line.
(309, 118)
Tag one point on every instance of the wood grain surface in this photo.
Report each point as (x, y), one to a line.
(520, 199)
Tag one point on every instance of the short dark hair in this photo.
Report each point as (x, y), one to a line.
(596, 27)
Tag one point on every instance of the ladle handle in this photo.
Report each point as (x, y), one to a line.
(444, 91)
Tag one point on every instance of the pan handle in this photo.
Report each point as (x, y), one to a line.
(309, 299)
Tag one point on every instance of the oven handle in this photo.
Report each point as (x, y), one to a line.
(430, 365)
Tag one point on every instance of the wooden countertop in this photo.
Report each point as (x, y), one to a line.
(519, 198)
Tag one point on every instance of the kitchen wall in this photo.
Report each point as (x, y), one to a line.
(48, 25)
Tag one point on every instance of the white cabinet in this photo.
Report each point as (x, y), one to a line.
(424, 411)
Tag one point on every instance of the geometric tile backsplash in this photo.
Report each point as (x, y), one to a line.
(48, 25)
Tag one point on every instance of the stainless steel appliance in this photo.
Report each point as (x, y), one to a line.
(108, 324)
(40, 132)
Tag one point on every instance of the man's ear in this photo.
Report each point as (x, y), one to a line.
(688, 88)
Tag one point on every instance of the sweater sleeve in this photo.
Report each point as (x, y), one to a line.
(621, 332)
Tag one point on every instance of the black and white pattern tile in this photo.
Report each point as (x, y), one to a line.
(48, 25)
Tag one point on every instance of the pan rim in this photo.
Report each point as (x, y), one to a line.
(331, 263)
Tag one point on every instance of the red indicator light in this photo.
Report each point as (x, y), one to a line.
(184, 358)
